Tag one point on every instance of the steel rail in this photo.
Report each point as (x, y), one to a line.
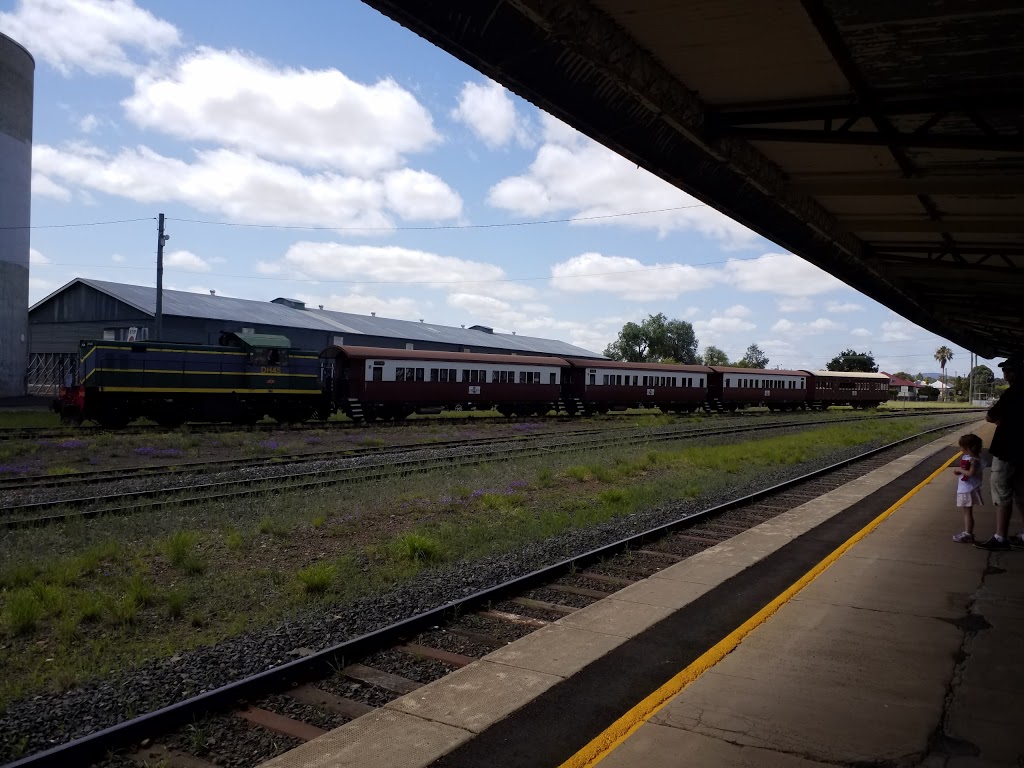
(86, 749)
(227, 489)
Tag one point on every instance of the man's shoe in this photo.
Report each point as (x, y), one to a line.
(994, 545)
(1017, 542)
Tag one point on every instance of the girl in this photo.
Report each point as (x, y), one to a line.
(968, 486)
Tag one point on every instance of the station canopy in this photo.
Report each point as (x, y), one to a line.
(879, 140)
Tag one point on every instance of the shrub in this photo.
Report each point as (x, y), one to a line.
(583, 474)
(23, 612)
(317, 577)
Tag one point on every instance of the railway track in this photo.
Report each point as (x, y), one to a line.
(57, 433)
(382, 464)
(300, 699)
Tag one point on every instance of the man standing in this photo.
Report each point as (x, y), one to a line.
(1007, 455)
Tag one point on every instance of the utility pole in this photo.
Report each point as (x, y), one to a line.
(161, 238)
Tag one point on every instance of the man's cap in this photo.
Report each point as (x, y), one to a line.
(1016, 362)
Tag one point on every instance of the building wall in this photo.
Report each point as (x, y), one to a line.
(17, 72)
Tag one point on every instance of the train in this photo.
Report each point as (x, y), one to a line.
(247, 377)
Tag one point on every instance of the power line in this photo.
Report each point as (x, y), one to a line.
(280, 278)
(438, 226)
(83, 224)
(493, 225)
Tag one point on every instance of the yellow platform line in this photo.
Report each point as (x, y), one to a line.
(608, 740)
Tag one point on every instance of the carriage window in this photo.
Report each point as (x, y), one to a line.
(494, 377)
(444, 374)
(472, 376)
(483, 376)
(701, 382)
(378, 374)
(399, 374)
(605, 379)
(419, 373)
(503, 377)
(593, 379)
(433, 374)
(536, 377)
(551, 378)
(522, 377)
(728, 382)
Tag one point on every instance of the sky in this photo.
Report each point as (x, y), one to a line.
(319, 151)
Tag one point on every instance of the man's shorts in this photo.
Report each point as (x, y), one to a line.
(1007, 482)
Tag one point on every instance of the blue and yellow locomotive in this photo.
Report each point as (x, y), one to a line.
(243, 379)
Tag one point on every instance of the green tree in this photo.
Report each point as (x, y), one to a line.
(983, 377)
(714, 356)
(904, 375)
(943, 355)
(655, 339)
(753, 358)
(851, 360)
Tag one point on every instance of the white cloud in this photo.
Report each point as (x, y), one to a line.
(505, 317)
(247, 188)
(46, 187)
(488, 110)
(842, 307)
(97, 36)
(313, 118)
(781, 273)
(394, 264)
(629, 278)
(36, 259)
(862, 333)
(897, 330)
(88, 123)
(791, 304)
(575, 175)
(722, 325)
(117, 258)
(737, 310)
(185, 260)
(821, 325)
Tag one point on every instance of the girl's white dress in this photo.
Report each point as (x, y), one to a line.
(968, 489)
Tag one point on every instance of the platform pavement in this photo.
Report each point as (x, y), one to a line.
(906, 651)
(868, 648)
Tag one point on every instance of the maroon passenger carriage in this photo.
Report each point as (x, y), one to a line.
(859, 390)
(732, 388)
(372, 382)
(599, 386)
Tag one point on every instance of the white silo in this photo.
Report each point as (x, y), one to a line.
(17, 71)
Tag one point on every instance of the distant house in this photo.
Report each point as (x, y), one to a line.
(902, 389)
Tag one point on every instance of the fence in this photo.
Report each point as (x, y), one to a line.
(48, 370)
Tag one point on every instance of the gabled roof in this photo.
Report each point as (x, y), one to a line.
(899, 381)
(248, 311)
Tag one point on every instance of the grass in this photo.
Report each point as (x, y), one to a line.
(114, 591)
(22, 612)
(316, 578)
(419, 548)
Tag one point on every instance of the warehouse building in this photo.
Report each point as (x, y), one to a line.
(95, 309)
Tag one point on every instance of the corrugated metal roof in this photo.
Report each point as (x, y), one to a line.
(200, 305)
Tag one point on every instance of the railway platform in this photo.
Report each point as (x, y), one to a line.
(849, 631)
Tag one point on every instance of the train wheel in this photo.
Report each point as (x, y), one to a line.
(457, 407)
